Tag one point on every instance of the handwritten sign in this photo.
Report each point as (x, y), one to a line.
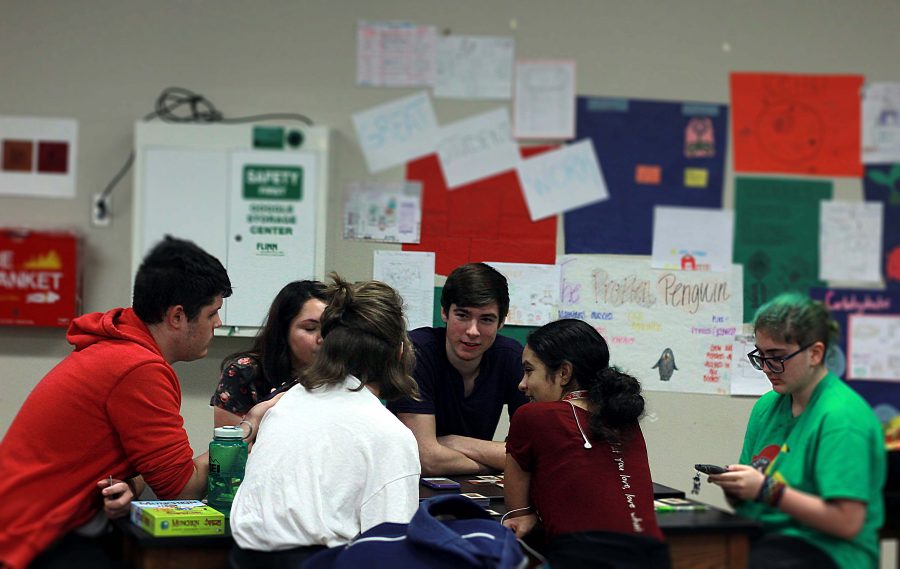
(533, 292)
(476, 148)
(673, 330)
(881, 123)
(474, 67)
(395, 54)
(561, 180)
(850, 241)
(394, 133)
(383, 211)
(746, 379)
(412, 275)
(545, 99)
(874, 347)
(692, 239)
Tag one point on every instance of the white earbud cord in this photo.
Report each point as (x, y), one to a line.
(587, 443)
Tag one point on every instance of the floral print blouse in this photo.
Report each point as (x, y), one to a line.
(241, 386)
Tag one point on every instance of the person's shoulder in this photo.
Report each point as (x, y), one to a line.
(841, 402)
(534, 409)
(427, 336)
(242, 361)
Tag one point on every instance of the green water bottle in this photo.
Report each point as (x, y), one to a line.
(227, 459)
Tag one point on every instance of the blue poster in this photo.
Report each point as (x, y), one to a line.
(651, 153)
(884, 396)
(882, 184)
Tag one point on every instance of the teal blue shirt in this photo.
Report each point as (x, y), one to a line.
(834, 449)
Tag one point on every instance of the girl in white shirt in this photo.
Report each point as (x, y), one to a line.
(330, 461)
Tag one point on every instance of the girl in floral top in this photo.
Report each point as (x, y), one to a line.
(287, 343)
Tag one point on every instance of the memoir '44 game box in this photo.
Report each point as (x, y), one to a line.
(177, 517)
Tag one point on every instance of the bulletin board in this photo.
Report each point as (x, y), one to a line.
(257, 205)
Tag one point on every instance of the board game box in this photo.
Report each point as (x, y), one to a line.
(177, 517)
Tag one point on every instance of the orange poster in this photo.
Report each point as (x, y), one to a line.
(796, 124)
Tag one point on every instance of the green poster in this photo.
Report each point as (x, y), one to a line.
(518, 333)
(776, 236)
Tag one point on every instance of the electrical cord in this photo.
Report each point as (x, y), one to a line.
(170, 107)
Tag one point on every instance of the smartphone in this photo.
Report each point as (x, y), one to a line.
(440, 483)
(710, 468)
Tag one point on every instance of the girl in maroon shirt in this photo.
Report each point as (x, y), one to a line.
(576, 459)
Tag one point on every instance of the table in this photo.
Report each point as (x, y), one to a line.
(697, 539)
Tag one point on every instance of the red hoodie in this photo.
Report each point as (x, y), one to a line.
(111, 407)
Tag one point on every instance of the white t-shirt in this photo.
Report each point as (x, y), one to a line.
(327, 465)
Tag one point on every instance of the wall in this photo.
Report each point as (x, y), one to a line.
(103, 62)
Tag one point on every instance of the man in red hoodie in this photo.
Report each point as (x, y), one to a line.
(111, 408)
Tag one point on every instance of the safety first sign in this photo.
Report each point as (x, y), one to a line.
(39, 278)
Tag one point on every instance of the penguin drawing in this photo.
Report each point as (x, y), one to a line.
(666, 365)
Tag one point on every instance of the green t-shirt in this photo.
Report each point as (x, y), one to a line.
(834, 449)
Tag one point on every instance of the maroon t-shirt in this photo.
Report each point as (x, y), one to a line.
(574, 489)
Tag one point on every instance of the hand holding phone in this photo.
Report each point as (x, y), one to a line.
(440, 483)
(710, 469)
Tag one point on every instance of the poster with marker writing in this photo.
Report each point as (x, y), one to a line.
(852, 309)
(672, 330)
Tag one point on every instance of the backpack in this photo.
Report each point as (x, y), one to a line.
(450, 531)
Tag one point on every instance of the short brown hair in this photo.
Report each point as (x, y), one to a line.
(363, 332)
(475, 285)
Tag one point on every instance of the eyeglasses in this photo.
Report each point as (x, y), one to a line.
(775, 363)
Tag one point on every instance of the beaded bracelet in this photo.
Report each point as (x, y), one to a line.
(771, 492)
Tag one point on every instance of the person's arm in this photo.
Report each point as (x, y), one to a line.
(516, 483)
(437, 459)
(236, 391)
(223, 418)
(840, 517)
(117, 497)
(196, 485)
(488, 453)
(195, 488)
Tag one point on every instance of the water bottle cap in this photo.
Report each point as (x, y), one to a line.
(229, 433)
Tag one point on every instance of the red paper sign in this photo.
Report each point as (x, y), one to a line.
(486, 220)
(39, 278)
(796, 124)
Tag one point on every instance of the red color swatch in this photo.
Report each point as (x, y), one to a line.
(53, 157)
(17, 155)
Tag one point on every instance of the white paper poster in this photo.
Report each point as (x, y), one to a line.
(672, 330)
(394, 133)
(850, 241)
(533, 292)
(39, 157)
(881, 123)
(476, 148)
(545, 99)
(746, 379)
(692, 239)
(395, 54)
(383, 211)
(412, 275)
(873, 346)
(560, 180)
(474, 67)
